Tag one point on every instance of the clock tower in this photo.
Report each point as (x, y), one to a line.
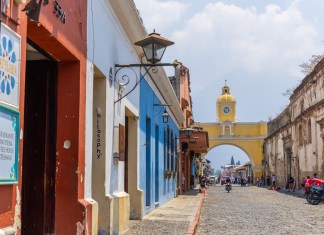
(225, 106)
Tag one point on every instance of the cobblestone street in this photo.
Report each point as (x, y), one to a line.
(253, 210)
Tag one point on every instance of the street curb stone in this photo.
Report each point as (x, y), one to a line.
(194, 223)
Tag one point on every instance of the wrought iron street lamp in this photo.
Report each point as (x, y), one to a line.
(154, 46)
(165, 115)
(188, 132)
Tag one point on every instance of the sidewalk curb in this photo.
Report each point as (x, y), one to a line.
(193, 226)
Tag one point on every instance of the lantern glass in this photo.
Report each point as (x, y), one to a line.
(154, 52)
(165, 116)
(188, 132)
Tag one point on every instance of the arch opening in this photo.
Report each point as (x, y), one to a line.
(224, 155)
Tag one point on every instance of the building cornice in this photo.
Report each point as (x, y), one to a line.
(130, 20)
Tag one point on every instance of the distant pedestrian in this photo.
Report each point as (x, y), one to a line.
(248, 180)
(291, 182)
(192, 182)
(315, 176)
(262, 181)
(268, 181)
(258, 181)
(273, 179)
(183, 179)
(202, 182)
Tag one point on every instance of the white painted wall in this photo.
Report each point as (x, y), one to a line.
(107, 45)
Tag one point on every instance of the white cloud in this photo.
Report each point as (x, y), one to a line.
(256, 48)
(160, 14)
(249, 39)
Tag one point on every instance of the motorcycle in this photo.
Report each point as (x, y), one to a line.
(316, 196)
(308, 192)
(228, 187)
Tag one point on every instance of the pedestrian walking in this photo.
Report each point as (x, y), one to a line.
(268, 181)
(192, 182)
(291, 182)
(258, 181)
(248, 180)
(183, 179)
(273, 179)
(262, 181)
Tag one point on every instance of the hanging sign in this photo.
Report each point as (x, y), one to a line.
(9, 137)
(9, 66)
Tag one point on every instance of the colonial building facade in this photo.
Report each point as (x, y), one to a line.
(191, 147)
(42, 99)
(295, 142)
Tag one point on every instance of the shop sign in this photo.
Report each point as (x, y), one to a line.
(10, 47)
(99, 135)
(59, 12)
(9, 137)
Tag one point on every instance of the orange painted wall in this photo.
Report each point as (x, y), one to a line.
(66, 43)
(13, 18)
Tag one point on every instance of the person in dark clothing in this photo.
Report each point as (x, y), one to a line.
(291, 182)
(192, 182)
(268, 181)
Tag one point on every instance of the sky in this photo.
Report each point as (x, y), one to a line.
(256, 45)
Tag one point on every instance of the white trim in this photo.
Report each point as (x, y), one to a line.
(7, 231)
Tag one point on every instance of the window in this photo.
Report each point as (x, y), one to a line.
(300, 135)
(172, 152)
(167, 149)
(309, 131)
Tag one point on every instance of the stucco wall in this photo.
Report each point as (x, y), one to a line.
(167, 185)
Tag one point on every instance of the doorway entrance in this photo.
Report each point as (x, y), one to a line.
(39, 155)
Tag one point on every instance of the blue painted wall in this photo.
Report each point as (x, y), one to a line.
(156, 187)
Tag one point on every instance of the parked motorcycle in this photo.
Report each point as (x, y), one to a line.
(308, 192)
(316, 196)
(228, 187)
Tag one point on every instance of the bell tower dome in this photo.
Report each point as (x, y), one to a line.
(226, 106)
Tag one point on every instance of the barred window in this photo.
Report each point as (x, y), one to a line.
(309, 131)
(300, 135)
(172, 152)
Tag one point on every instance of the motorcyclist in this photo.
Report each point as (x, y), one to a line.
(228, 185)
(228, 180)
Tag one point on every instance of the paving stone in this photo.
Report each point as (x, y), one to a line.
(253, 210)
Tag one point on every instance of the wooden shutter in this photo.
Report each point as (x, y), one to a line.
(122, 142)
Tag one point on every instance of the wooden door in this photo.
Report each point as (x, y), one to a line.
(39, 155)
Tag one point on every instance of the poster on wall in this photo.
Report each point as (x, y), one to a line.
(10, 46)
(9, 137)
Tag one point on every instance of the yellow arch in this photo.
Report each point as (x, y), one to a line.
(248, 136)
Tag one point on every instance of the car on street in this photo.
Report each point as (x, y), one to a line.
(223, 179)
(212, 180)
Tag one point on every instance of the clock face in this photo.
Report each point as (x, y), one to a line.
(226, 110)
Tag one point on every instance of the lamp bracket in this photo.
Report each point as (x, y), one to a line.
(124, 79)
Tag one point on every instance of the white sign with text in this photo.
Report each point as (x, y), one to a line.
(10, 46)
(8, 147)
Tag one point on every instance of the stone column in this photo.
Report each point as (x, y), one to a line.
(321, 123)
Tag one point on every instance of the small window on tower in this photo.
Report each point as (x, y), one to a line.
(225, 91)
